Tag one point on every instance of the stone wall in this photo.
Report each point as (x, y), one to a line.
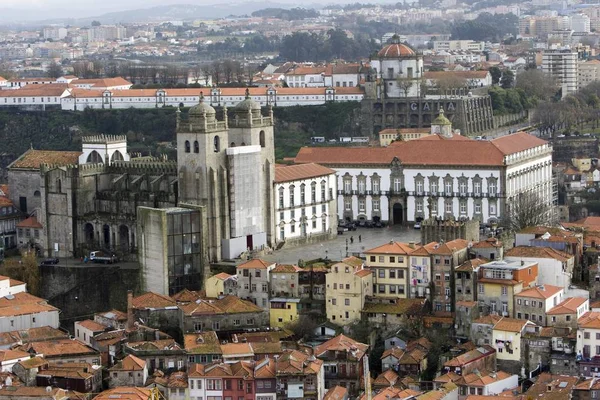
(436, 230)
(566, 148)
(81, 291)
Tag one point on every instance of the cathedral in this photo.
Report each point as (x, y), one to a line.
(174, 217)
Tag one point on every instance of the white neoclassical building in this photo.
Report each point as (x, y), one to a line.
(305, 203)
(439, 175)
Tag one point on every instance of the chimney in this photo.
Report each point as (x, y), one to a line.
(411, 245)
(129, 309)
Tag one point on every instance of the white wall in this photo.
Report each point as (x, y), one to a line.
(549, 271)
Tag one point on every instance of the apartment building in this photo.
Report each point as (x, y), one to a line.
(347, 286)
(389, 264)
(563, 66)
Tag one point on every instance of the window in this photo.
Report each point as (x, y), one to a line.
(477, 187)
(449, 207)
(334, 302)
(361, 205)
(492, 188)
(448, 187)
(346, 302)
(196, 147)
(292, 196)
(187, 146)
(217, 144)
(381, 259)
(302, 194)
(361, 186)
(477, 208)
(463, 207)
(400, 289)
(504, 290)
(392, 274)
(381, 273)
(348, 204)
(586, 335)
(375, 205)
(397, 184)
(463, 187)
(481, 288)
(381, 288)
(375, 185)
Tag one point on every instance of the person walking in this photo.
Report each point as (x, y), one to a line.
(359, 239)
(351, 239)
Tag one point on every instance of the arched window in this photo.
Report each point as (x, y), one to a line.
(36, 193)
(261, 138)
(232, 144)
(196, 147)
(217, 142)
(58, 186)
(187, 146)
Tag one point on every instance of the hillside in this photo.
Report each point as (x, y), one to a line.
(152, 132)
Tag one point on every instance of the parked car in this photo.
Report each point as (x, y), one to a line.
(378, 224)
(417, 225)
(369, 224)
(50, 261)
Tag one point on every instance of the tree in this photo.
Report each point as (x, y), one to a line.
(496, 74)
(54, 70)
(303, 327)
(96, 23)
(527, 209)
(508, 79)
(449, 82)
(405, 84)
(26, 270)
(537, 84)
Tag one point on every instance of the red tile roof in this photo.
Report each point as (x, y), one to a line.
(30, 222)
(540, 292)
(32, 159)
(567, 306)
(256, 263)
(429, 150)
(287, 173)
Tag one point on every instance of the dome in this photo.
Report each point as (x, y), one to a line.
(248, 104)
(202, 108)
(396, 49)
(441, 119)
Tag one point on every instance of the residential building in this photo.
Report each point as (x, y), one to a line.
(10, 286)
(588, 335)
(506, 337)
(114, 319)
(8, 358)
(27, 370)
(234, 352)
(227, 313)
(449, 45)
(534, 303)
(482, 329)
(588, 72)
(395, 313)
(312, 281)
(555, 386)
(466, 279)
(221, 284)
(164, 354)
(482, 358)
(411, 361)
(130, 393)
(336, 393)
(567, 312)
(491, 249)
(253, 282)
(420, 261)
(348, 285)
(563, 66)
(156, 310)
(87, 329)
(554, 266)
(342, 359)
(130, 371)
(37, 393)
(430, 177)
(283, 311)
(76, 376)
(202, 347)
(285, 281)
(63, 350)
(499, 281)
(446, 256)
(306, 206)
(486, 383)
(389, 264)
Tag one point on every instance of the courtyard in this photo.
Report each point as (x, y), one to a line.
(358, 241)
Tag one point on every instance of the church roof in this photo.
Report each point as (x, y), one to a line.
(287, 173)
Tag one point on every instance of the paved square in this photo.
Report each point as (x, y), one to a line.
(336, 249)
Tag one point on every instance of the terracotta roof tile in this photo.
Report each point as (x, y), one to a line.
(537, 292)
(429, 150)
(59, 348)
(510, 324)
(287, 173)
(391, 248)
(152, 300)
(32, 159)
(567, 306)
(129, 363)
(125, 393)
(91, 325)
(336, 393)
(470, 356)
(342, 343)
(538, 252)
(590, 319)
(256, 263)
(236, 349)
(202, 343)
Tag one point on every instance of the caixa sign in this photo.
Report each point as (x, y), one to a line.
(427, 106)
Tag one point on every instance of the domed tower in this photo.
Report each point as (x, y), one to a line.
(441, 125)
(399, 68)
(202, 165)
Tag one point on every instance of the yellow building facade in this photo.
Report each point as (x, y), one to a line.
(347, 285)
(389, 264)
(283, 311)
